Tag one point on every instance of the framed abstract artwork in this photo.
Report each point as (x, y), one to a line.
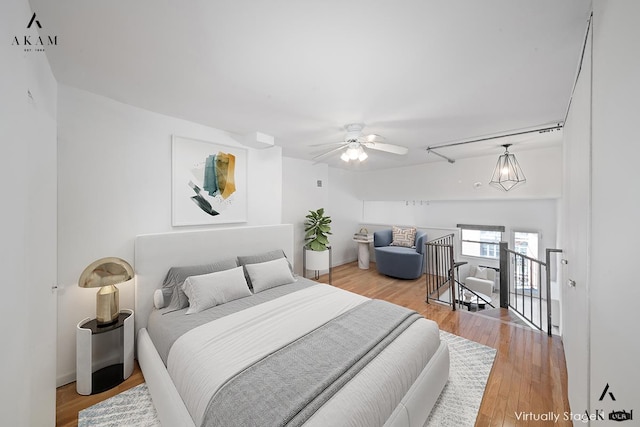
(209, 182)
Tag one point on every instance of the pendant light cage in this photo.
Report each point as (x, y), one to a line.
(507, 173)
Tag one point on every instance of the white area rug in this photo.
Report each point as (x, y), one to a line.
(457, 405)
(129, 408)
(470, 365)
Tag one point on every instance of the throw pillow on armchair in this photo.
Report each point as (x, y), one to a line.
(404, 236)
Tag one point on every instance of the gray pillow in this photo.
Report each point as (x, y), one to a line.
(172, 285)
(261, 257)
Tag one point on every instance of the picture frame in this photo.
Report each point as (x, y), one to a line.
(209, 182)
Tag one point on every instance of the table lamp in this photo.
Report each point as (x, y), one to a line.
(105, 274)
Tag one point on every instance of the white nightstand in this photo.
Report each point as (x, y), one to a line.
(89, 381)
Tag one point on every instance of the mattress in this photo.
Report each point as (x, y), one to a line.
(210, 356)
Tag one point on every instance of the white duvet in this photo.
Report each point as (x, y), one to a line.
(203, 359)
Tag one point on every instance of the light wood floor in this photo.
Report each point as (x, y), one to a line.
(529, 373)
(69, 403)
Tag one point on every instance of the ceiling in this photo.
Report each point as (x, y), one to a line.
(418, 72)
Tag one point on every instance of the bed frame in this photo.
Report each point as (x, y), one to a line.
(156, 253)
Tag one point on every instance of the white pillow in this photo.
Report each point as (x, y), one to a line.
(158, 299)
(265, 275)
(481, 273)
(209, 290)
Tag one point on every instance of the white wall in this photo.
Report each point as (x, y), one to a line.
(615, 349)
(337, 195)
(445, 181)
(599, 323)
(115, 183)
(28, 257)
(575, 238)
(346, 214)
(300, 194)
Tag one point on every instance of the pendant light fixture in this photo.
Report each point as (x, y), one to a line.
(507, 173)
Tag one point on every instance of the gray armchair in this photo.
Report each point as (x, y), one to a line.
(398, 261)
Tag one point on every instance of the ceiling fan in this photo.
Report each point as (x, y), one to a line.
(355, 142)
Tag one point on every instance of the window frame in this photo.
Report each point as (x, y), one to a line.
(529, 276)
(483, 245)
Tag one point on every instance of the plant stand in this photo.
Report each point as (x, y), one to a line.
(317, 262)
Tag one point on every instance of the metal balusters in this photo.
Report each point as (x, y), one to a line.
(526, 275)
(439, 267)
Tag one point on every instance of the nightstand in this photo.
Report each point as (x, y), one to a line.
(90, 380)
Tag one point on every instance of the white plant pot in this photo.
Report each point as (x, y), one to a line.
(317, 260)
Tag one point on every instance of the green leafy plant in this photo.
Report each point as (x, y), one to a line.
(317, 228)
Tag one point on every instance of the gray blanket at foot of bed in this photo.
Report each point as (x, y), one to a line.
(289, 385)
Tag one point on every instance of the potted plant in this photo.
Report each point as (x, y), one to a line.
(317, 228)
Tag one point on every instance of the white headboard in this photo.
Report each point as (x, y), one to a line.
(156, 253)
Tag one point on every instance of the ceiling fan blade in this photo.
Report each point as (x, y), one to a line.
(322, 156)
(389, 148)
(372, 138)
(327, 144)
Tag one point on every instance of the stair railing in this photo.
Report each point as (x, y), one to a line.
(522, 283)
(440, 270)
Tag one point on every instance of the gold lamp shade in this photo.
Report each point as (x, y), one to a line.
(105, 273)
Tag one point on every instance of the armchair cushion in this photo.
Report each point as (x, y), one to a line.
(382, 238)
(481, 273)
(480, 279)
(479, 285)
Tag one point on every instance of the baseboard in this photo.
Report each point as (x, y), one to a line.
(65, 379)
(339, 262)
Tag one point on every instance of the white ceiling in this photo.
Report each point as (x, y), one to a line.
(418, 72)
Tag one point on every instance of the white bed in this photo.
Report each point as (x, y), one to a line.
(155, 254)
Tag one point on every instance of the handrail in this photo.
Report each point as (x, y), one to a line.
(529, 268)
(439, 267)
(530, 258)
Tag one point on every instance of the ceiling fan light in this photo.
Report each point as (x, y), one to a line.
(363, 156)
(345, 157)
(353, 153)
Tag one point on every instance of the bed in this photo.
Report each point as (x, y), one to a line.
(298, 354)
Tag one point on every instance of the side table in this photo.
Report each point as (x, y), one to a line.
(363, 251)
(89, 381)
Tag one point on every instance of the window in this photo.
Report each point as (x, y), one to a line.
(481, 240)
(526, 243)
